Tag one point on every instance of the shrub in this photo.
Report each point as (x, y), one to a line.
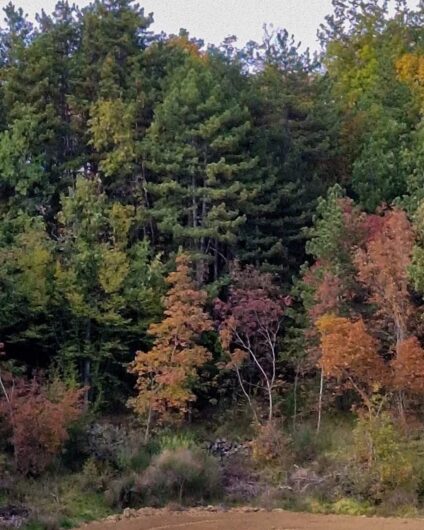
(306, 444)
(381, 465)
(120, 446)
(241, 481)
(272, 446)
(182, 475)
(350, 507)
(90, 478)
(44, 522)
(121, 492)
(176, 441)
(400, 502)
(38, 416)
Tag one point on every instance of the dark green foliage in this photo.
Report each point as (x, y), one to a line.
(197, 154)
(295, 143)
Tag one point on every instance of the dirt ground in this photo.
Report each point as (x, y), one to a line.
(256, 521)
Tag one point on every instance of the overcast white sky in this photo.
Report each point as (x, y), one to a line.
(213, 20)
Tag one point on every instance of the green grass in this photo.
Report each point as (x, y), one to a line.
(61, 499)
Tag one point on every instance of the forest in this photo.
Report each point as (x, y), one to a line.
(210, 253)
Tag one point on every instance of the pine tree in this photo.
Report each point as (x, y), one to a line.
(293, 127)
(39, 141)
(197, 154)
(108, 93)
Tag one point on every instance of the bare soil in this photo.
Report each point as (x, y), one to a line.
(255, 521)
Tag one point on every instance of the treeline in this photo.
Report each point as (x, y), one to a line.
(121, 148)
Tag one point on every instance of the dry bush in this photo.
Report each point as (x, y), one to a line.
(272, 446)
(38, 416)
(183, 475)
(121, 492)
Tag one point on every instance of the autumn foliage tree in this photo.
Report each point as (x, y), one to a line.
(350, 355)
(38, 415)
(166, 373)
(383, 269)
(250, 322)
(408, 366)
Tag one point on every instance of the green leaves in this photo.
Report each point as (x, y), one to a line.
(105, 279)
(194, 151)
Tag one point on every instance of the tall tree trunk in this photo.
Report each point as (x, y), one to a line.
(296, 381)
(87, 367)
(321, 390)
(148, 423)
(400, 337)
(86, 379)
(216, 261)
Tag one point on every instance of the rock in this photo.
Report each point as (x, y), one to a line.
(223, 448)
(146, 512)
(113, 518)
(128, 513)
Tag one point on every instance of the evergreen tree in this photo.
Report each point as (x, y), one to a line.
(197, 153)
(36, 84)
(295, 140)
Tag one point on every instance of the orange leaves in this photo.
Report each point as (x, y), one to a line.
(408, 366)
(329, 292)
(349, 352)
(189, 47)
(383, 268)
(380, 265)
(166, 373)
(38, 417)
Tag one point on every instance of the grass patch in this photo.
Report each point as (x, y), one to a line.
(60, 502)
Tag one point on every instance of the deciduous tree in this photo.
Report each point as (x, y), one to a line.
(166, 373)
(350, 354)
(250, 323)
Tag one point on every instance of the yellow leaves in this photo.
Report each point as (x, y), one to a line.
(121, 219)
(113, 269)
(34, 259)
(354, 69)
(112, 125)
(410, 70)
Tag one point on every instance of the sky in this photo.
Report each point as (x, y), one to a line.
(213, 20)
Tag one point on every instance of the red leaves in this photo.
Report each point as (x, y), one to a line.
(38, 416)
(249, 327)
(383, 267)
(254, 307)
